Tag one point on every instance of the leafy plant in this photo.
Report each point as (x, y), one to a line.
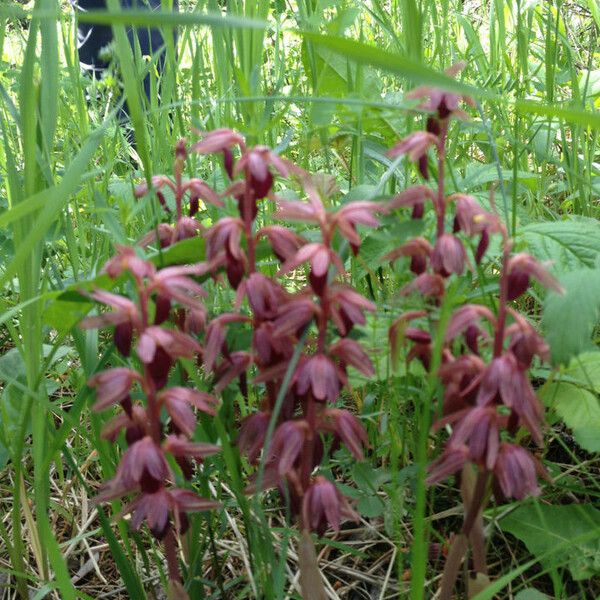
(144, 471)
(559, 536)
(570, 318)
(289, 428)
(573, 395)
(481, 358)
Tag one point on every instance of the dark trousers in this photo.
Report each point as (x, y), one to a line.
(91, 39)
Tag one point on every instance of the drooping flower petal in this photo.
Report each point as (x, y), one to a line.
(448, 255)
(324, 505)
(319, 375)
(112, 386)
(516, 472)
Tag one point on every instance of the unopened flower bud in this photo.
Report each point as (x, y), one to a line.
(180, 150)
(448, 255)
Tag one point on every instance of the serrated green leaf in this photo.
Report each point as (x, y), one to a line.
(368, 478)
(378, 243)
(570, 244)
(544, 528)
(579, 409)
(569, 318)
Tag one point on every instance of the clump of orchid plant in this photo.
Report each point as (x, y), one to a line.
(327, 308)
(279, 318)
(158, 420)
(488, 397)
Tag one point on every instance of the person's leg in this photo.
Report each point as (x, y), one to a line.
(91, 39)
(151, 40)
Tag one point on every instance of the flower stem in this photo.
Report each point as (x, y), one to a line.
(460, 544)
(502, 301)
(248, 219)
(324, 318)
(171, 556)
(440, 205)
(420, 531)
(153, 406)
(309, 445)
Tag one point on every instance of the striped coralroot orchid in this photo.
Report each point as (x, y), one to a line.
(143, 336)
(196, 191)
(280, 320)
(488, 401)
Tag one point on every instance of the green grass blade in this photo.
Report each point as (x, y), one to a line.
(56, 199)
(49, 87)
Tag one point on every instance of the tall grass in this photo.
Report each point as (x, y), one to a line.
(320, 80)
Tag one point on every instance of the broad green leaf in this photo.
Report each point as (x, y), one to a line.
(569, 244)
(477, 175)
(371, 507)
(12, 374)
(584, 370)
(185, 252)
(69, 307)
(543, 143)
(11, 416)
(544, 528)
(4, 455)
(14, 380)
(363, 191)
(591, 79)
(579, 409)
(569, 318)
(63, 315)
